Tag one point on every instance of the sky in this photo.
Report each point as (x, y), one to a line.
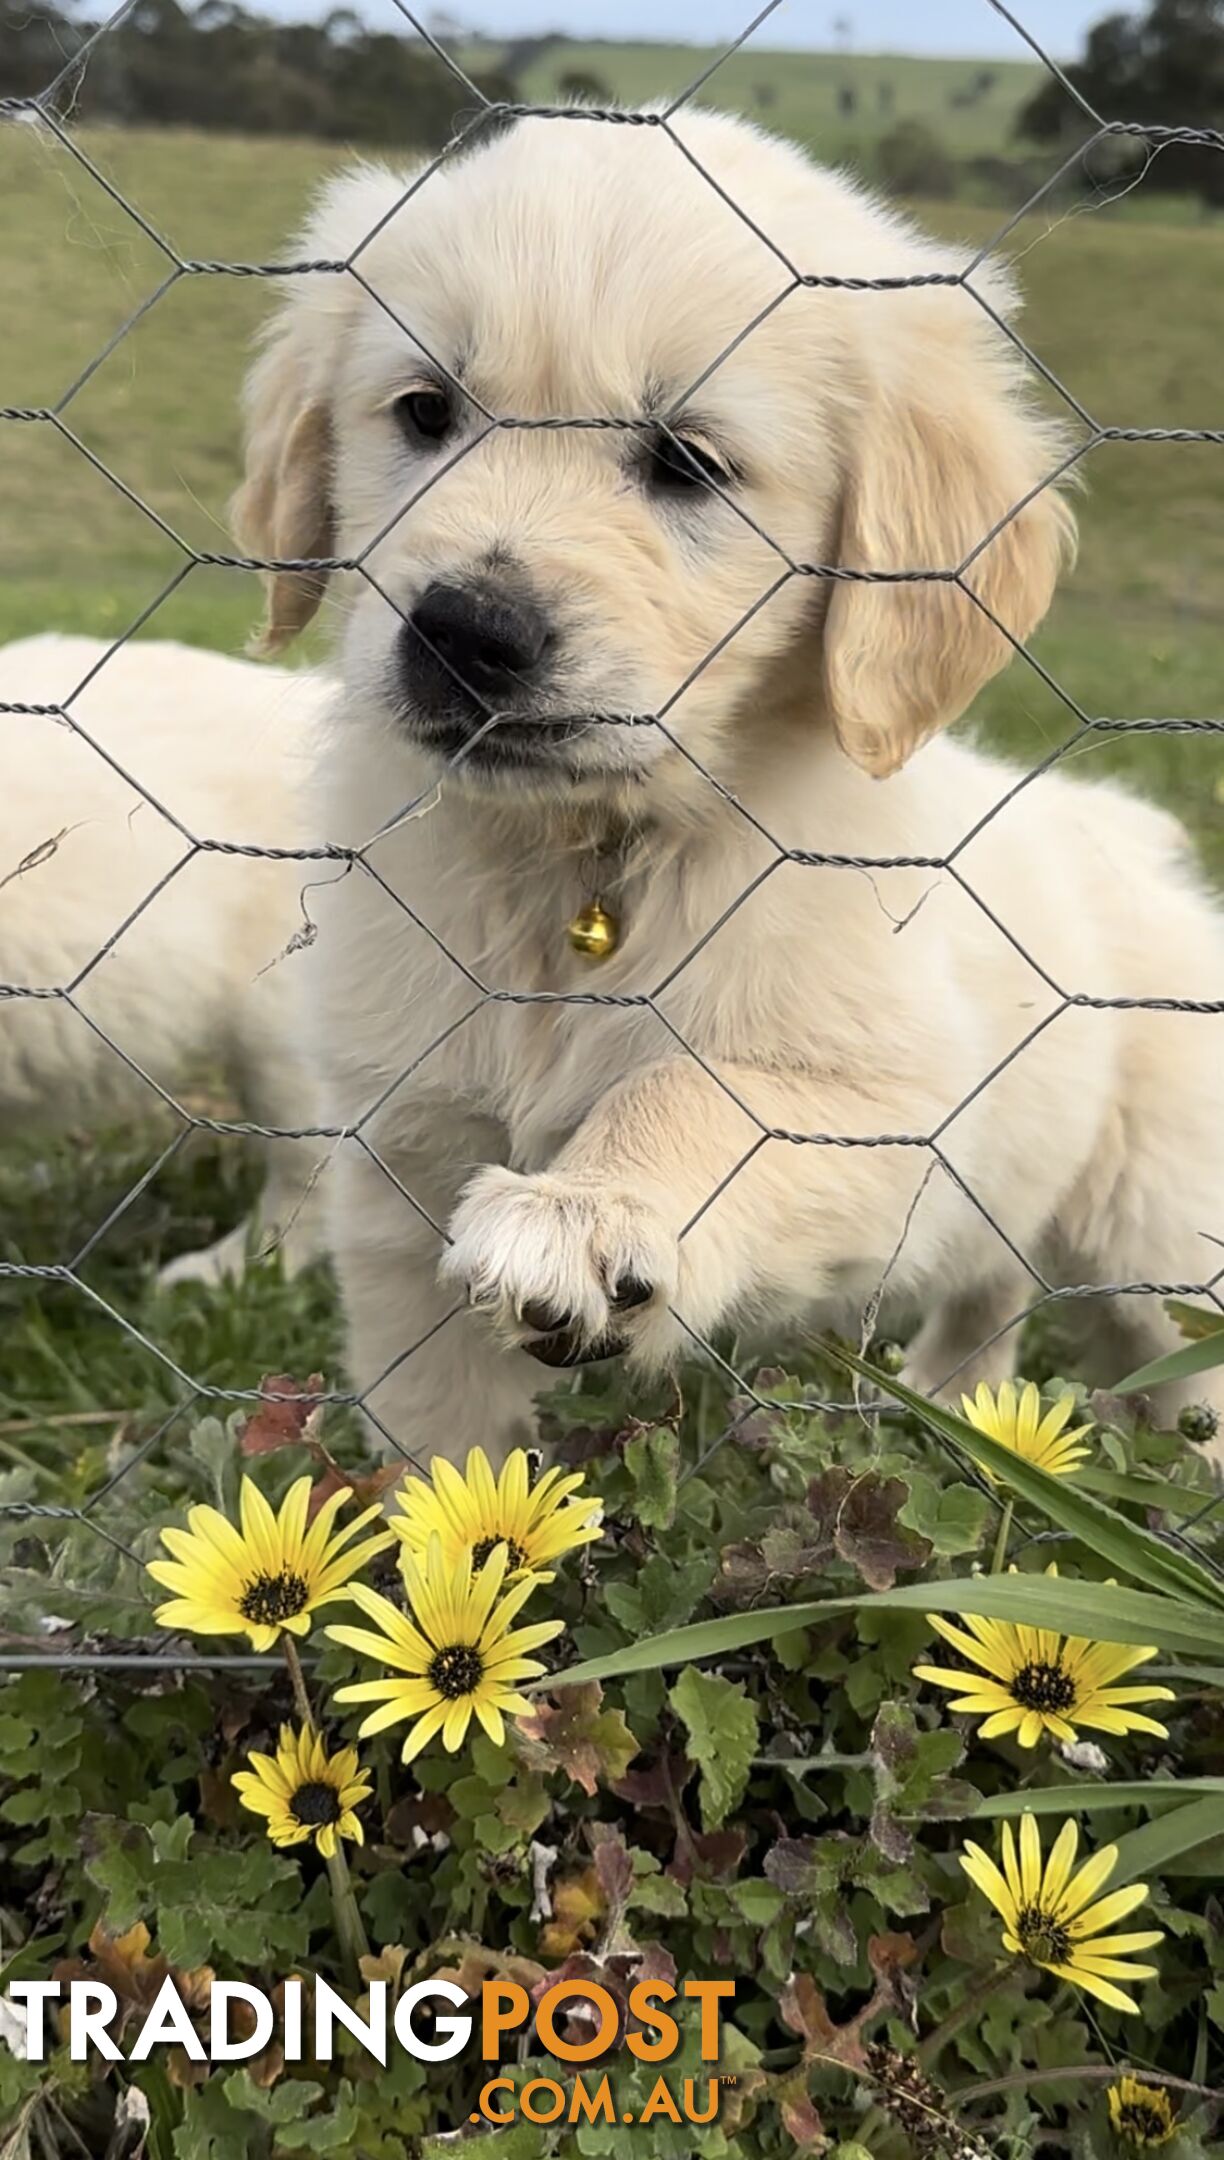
(966, 27)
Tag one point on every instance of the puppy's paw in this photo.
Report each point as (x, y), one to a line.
(570, 1272)
(213, 1264)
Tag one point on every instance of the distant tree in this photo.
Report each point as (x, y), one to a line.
(1164, 68)
(35, 43)
(912, 161)
(218, 66)
(585, 86)
(847, 100)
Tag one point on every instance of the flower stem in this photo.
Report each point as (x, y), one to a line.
(349, 1930)
(298, 1681)
(999, 1561)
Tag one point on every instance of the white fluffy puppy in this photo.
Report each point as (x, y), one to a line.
(152, 960)
(595, 663)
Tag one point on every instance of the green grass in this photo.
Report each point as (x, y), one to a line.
(797, 93)
(1129, 311)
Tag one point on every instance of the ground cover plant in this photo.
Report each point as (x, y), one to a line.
(785, 1704)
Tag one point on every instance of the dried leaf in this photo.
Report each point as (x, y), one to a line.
(709, 1855)
(803, 2009)
(579, 1907)
(613, 1870)
(858, 1518)
(572, 1733)
(289, 1412)
(800, 2117)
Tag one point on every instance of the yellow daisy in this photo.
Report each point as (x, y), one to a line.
(269, 1573)
(1015, 1421)
(474, 1513)
(304, 1792)
(1054, 1918)
(455, 1655)
(1141, 2114)
(1033, 1681)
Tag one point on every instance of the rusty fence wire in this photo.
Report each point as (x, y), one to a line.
(45, 113)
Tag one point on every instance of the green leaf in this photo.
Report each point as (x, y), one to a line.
(123, 1870)
(662, 1594)
(213, 1448)
(287, 2102)
(286, 2108)
(1097, 1797)
(653, 1461)
(1103, 1611)
(659, 1894)
(245, 1905)
(758, 1902)
(963, 1516)
(1121, 1543)
(721, 1724)
(1194, 1321)
(1197, 1357)
(1143, 1491)
(1154, 1848)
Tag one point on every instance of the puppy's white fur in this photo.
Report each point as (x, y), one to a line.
(162, 945)
(687, 1127)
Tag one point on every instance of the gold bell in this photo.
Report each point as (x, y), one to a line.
(594, 933)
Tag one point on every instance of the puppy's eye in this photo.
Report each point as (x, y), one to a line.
(425, 416)
(677, 467)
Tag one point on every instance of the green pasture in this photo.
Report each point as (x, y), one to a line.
(1126, 310)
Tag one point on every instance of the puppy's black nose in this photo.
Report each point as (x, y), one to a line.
(479, 638)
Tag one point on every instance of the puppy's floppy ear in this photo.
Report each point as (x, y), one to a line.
(283, 507)
(944, 448)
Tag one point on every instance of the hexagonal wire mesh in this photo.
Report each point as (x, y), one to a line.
(41, 111)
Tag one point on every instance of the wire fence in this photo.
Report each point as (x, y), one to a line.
(45, 113)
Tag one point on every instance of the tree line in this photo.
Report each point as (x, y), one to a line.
(215, 64)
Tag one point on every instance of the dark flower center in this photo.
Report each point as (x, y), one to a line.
(1044, 1940)
(1043, 1687)
(268, 1599)
(457, 1671)
(488, 1546)
(1143, 2122)
(315, 1804)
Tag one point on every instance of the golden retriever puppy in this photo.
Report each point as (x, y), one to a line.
(139, 956)
(651, 681)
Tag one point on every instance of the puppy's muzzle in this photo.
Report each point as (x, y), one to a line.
(473, 660)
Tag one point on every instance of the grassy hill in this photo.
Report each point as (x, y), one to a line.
(1130, 313)
(1136, 633)
(803, 94)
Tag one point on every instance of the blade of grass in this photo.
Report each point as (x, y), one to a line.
(1097, 1797)
(1103, 1611)
(1197, 1357)
(1121, 1543)
(1140, 1491)
(1162, 1842)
